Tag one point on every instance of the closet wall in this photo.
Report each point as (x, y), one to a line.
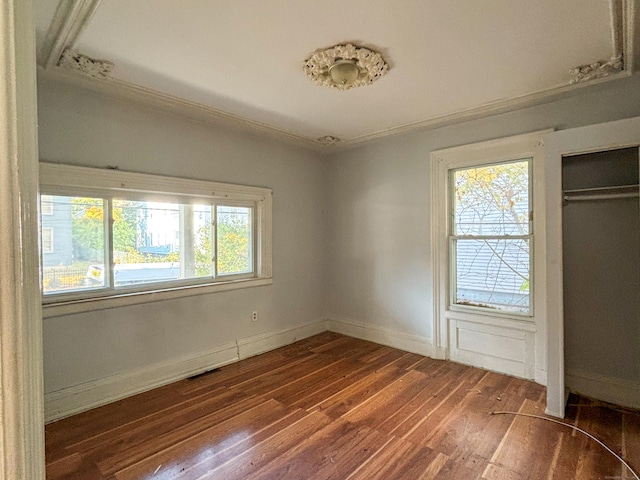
(601, 255)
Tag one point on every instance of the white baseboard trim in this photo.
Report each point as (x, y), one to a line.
(79, 398)
(383, 336)
(265, 342)
(625, 393)
(540, 376)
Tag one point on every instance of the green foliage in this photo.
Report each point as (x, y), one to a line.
(125, 225)
(88, 224)
(494, 188)
(203, 251)
(233, 237)
(234, 234)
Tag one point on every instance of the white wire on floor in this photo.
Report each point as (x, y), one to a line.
(574, 428)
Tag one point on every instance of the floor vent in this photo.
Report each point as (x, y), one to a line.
(200, 375)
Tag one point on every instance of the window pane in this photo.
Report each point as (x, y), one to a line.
(492, 200)
(74, 261)
(234, 240)
(492, 273)
(202, 241)
(155, 242)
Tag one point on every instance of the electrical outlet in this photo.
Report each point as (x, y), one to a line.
(254, 317)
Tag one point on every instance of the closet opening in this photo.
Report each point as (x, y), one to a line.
(601, 275)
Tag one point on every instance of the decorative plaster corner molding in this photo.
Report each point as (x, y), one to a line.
(371, 64)
(328, 140)
(70, 18)
(584, 73)
(74, 60)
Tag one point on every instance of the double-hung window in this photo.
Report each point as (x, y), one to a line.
(490, 236)
(122, 234)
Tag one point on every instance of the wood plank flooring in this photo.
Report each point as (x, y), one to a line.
(335, 407)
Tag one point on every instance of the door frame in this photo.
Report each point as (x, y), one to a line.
(21, 385)
(575, 141)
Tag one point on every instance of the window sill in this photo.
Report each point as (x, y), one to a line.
(519, 321)
(69, 307)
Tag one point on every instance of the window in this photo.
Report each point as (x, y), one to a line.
(129, 234)
(490, 236)
(46, 205)
(488, 253)
(47, 240)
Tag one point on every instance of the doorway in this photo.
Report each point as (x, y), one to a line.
(559, 145)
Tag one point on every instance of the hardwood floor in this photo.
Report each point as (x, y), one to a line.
(335, 407)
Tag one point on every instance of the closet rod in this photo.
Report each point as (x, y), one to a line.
(602, 189)
(604, 196)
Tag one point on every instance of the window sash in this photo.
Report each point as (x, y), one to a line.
(492, 303)
(110, 266)
(454, 237)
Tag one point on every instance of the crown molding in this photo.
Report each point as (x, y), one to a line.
(121, 90)
(75, 60)
(118, 89)
(71, 17)
(586, 73)
(505, 105)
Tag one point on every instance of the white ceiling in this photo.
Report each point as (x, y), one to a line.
(448, 58)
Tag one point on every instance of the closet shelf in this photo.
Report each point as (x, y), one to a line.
(602, 193)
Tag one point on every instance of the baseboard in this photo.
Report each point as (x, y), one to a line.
(540, 376)
(257, 344)
(383, 336)
(625, 393)
(78, 398)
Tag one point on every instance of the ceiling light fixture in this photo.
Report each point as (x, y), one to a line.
(345, 66)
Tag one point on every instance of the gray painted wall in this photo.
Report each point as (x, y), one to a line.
(83, 128)
(380, 235)
(601, 256)
(351, 231)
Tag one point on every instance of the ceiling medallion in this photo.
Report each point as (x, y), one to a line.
(328, 140)
(345, 66)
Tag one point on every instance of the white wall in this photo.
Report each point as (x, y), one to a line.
(380, 234)
(83, 128)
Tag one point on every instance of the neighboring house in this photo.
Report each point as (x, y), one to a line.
(56, 231)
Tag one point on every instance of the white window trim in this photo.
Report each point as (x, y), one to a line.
(65, 178)
(532, 327)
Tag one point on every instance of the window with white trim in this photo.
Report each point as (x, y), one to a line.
(131, 233)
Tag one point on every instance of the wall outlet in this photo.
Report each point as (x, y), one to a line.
(254, 317)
